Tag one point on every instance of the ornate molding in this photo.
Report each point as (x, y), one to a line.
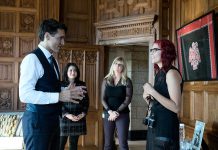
(27, 23)
(91, 57)
(6, 46)
(107, 9)
(28, 3)
(125, 30)
(6, 96)
(77, 57)
(64, 55)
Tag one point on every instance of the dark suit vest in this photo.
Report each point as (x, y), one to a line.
(47, 83)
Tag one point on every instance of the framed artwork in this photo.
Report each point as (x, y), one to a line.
(197, 49)
(198, 135)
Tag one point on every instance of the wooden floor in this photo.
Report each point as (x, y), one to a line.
(133, 145)
(136, 145)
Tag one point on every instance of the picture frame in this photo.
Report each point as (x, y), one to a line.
(196, 49)
(198, 135)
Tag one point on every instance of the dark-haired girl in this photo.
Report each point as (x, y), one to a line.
(73, 121)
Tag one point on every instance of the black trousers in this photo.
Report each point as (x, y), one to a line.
(73, 140)
(40, 131)
(122, 126)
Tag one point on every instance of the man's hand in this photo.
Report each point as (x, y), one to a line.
(72, 93)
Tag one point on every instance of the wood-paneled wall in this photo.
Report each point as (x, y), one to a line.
(18, 24)
(200, 99)
(79, 17)
(19, 21)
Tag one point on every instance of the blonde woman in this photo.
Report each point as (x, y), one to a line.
(116, 96)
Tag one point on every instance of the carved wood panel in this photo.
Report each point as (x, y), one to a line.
(6, 72)
(125, 30)
(78, 16)
(6, 98)
(110, 9)
(6, 46)
(211, 107)
(26, 44)
(186, 111)
(125, 21)
(28, 3)
(7, 21)
(90, 62)
(18, 20)
(27, 22)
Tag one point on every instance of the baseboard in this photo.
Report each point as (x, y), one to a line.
(137, 135)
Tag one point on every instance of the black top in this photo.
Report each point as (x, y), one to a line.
(166, 121)
(116, 97)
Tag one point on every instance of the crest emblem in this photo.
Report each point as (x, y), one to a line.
(194, 56)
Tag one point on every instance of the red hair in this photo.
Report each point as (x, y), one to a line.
(168, 54)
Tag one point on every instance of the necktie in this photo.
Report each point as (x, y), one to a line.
(51, 61)
(53, 64)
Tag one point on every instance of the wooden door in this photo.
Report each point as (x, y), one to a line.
(90, 61)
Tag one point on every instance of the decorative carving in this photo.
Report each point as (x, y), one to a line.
(91, 57)
(28, 3)
(26, 44)
(6, 99)
(121, 30)
(7, 21)
(27, 22)
(126, 30)
(108, 9)
(64, 55)
(77, 57)
(6, 46)
(8, 3)
(6, 72)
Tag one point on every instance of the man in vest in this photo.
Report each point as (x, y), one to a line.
(40, 89)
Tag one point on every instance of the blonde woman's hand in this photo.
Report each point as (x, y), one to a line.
(113, 115)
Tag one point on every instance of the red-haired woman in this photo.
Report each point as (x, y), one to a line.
(164, 98)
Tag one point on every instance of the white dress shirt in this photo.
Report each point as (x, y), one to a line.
(30, 71)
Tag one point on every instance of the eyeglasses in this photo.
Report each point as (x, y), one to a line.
(154, 50)
(119, 64)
